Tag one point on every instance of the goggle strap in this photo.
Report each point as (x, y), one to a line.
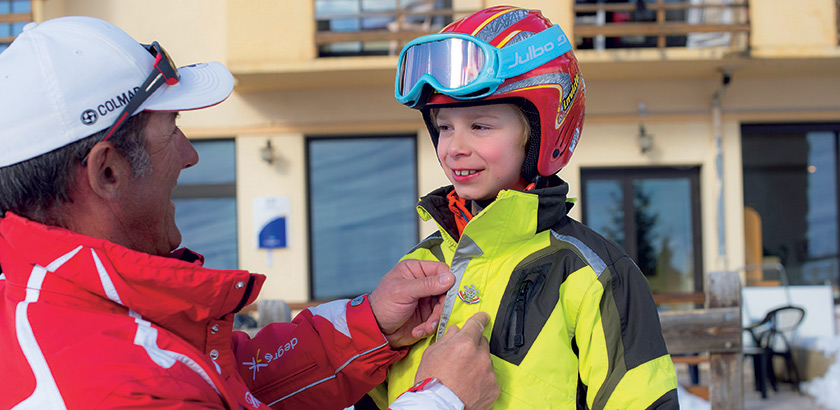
(526, 55)
(149, 86)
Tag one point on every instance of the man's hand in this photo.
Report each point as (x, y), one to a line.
(408, 301)
(461, 361)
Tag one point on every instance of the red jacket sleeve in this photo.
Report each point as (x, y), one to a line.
(328, 357)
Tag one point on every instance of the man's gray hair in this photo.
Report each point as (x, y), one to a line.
(33, 188)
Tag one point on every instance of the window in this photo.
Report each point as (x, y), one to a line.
(362, 218)
(791, 181)
(654, 214)
(205, 204)
(14, 14)
(374, 27)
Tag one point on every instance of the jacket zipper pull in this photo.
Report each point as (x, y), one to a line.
(518, 323)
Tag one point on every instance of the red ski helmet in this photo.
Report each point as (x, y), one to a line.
(551, 95)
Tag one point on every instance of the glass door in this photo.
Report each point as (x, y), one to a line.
(654, 214)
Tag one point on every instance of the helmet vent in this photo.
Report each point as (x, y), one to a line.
(555, 154)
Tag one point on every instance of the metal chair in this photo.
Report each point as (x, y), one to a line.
(772, 337)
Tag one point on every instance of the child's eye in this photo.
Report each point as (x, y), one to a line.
(444, 127)
(481, 127)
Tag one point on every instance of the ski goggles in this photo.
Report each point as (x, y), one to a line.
(464, 67)
(164, 70)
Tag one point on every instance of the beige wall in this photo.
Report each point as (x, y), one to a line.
(192, 30)
(286, 268)
(269, 31)
(429, 174)
(786, 28)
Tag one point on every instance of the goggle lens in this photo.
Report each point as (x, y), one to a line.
(452, 62)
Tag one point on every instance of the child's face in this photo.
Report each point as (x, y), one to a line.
(481, 149)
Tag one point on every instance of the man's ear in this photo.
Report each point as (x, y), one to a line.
(106, 171)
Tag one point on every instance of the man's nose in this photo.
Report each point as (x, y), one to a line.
(189, 156)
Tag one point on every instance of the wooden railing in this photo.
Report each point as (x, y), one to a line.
(597, 25)
(403, 25)
(13, 18)
(593, 25)
(713, 335)
(697, 298)
(376, 34)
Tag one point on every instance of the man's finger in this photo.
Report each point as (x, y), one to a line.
(432, 268)
(429, 286)
(474, 327)
(451, 331)
(419, 268)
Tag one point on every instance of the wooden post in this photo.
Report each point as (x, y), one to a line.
(726, 389)
(660, 20)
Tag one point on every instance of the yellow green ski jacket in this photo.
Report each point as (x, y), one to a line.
(573, 323)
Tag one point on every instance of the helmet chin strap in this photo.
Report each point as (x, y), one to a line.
(538, 182)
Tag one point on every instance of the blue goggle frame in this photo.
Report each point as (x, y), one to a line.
(499, 64)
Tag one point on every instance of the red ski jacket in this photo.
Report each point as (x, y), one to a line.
(87, 324)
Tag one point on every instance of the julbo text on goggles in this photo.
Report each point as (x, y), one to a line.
(464, 67)
(163, 71)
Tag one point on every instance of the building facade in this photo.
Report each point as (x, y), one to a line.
(710, 142)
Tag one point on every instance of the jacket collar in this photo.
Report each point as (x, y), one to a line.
(551, 206)
(164, 290)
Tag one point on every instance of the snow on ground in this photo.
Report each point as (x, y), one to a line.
(689, 401)
(826, 390)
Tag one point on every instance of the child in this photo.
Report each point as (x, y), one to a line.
(573, 323)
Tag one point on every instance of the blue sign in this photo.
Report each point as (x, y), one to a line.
(273, 234)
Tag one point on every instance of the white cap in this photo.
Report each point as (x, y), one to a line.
(70, 77)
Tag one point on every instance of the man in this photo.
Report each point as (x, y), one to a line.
(99, 311)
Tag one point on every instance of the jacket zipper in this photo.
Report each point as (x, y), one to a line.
(516, 335)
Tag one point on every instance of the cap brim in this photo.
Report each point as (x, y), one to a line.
(201, 85)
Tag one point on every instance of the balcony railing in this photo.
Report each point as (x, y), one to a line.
(598, 25)
(661, 23)
(14, 14)
(381, 32)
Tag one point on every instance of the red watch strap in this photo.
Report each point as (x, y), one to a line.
(424, 384)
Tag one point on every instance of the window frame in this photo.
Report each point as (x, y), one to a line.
(12, 18)
(803, 127)
(308, 139)
(214, 191)
(626, 176)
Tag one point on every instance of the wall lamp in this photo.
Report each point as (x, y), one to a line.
(645, 140)
(267, 153)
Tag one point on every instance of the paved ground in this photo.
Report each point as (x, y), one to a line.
(786, 398)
